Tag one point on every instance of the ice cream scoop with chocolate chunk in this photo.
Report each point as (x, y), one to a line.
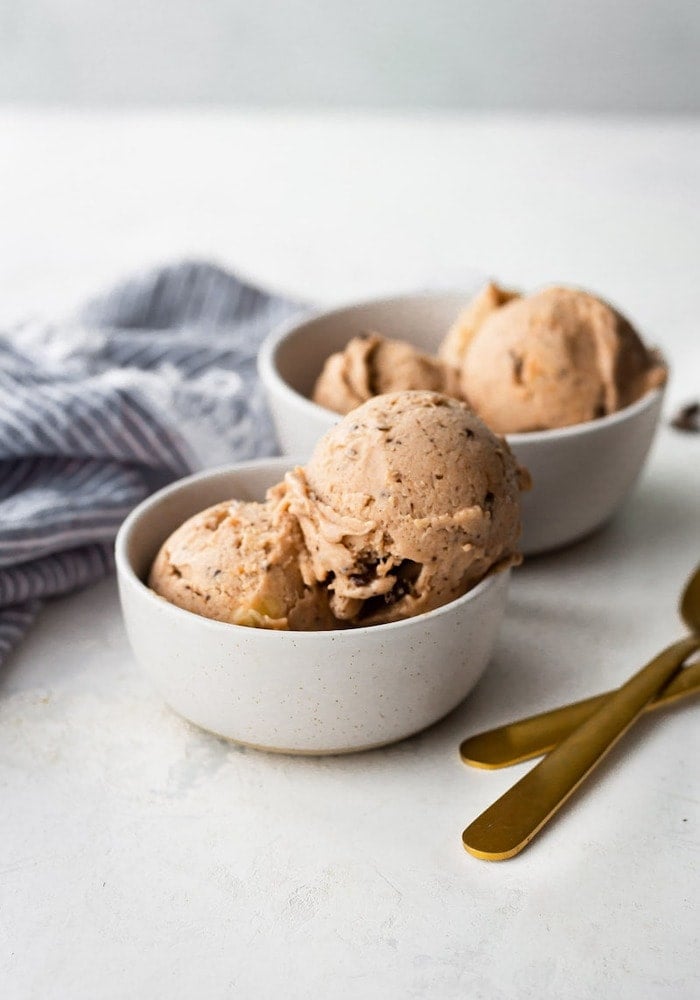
(239, 562)
(405, 505)
(372, 365)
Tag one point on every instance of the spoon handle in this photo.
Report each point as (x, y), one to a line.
(538, 734)
(507, 826)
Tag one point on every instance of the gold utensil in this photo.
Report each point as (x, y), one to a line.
(507, 826)
(538, 734)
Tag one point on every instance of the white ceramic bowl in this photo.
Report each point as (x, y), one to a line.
(297, 692)
(580, 474)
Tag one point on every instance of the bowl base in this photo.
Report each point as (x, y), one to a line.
(290, 752)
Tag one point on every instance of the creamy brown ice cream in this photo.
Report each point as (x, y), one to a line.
(372, 365)
(405, 505)
(552, 359)
(239, 562)
(459, 336)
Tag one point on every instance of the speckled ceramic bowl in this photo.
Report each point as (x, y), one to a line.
(581, 474)
(295, 692)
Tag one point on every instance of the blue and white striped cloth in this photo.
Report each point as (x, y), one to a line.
(152, 381)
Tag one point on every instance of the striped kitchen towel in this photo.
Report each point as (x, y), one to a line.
(152, 381)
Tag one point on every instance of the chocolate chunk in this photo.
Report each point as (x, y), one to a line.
(688, 418)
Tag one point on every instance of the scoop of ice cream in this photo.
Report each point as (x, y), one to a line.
(553, 359)
(459, 336)
(238, 562)
(404, 505)
(372, 365)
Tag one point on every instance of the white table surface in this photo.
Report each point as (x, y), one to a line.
(143, 858)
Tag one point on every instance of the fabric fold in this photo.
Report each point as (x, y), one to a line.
(151, 381)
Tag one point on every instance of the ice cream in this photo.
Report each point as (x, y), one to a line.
(405, 505)
(372, 365)
(239, 562)
(459, 336)
(548, 360)
(524, 363)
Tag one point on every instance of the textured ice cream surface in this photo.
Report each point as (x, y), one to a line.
(459, 336)
(552, 359)
(239, 562)
(372, 365)
(405, 505)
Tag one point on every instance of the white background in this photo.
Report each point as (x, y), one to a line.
(335, 206)
(143, 858)
(598, 55)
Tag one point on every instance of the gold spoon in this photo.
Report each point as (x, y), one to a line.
(506, 827)
(538, 734)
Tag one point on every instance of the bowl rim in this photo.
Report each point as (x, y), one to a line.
(126, 571)
(273, 380)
